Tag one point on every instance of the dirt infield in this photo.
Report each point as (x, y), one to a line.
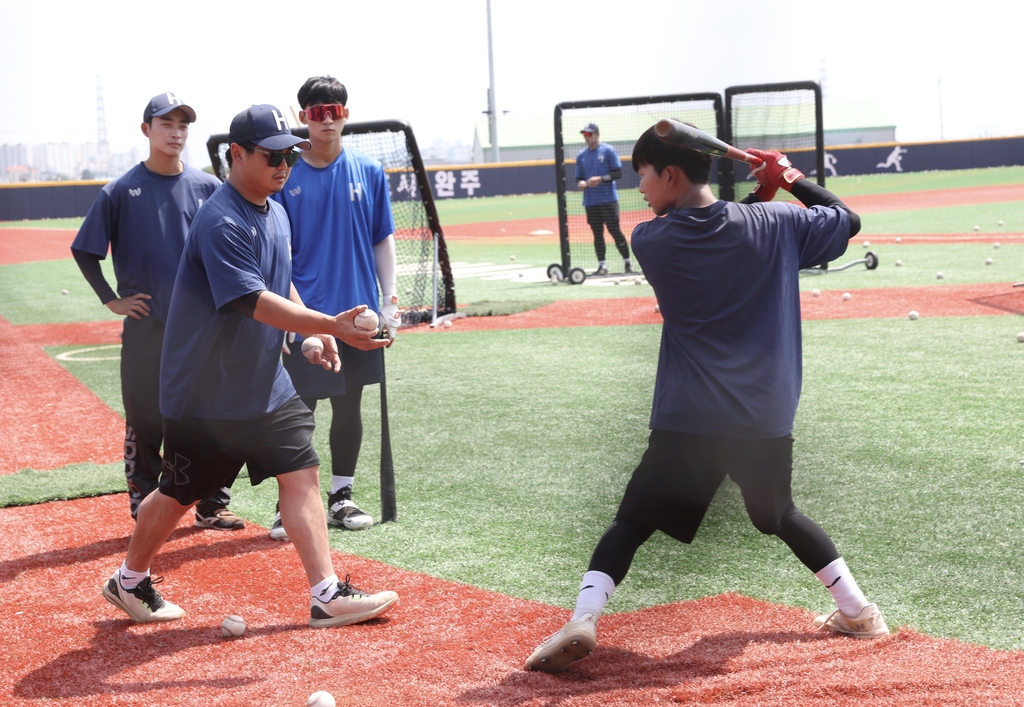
(444, 644)
(27, 245)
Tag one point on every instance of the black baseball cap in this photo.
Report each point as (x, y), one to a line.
(266, 126)
(590, 128)
(164, 103)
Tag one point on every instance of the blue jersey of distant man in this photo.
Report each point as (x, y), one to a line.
(597, 163)
(338, 214)
(217, 363)
(143, 219)
(727, 281)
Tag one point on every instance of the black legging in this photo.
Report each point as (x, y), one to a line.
(808, 541)
(346, 436)
(600, 215)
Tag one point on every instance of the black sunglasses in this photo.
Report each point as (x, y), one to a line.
(274, 159)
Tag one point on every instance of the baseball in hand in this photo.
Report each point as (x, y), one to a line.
(312, 345)
(322, 698)
(232, 626)
(366, 320)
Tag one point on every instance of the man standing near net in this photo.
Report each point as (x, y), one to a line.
(225, 396)
(597, 168)
(143, 218)
(728, 380)
(342, 244)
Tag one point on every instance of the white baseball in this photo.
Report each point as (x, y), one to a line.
(63, 292)
(899, 263)
(310, 345)
(976, 228)
(999, 222)
(912, 315)
(815, 293)
(1020, 338)
(846, 295)
(366, 320)
(447, 324)
(939, 276)
(321, 698)
(232, 626)
(898, 240)
(988, 261)
(867, 243)
(995, 245)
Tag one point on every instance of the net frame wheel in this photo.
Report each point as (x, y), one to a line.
(555, 270)
(577, 276)
(870, 260)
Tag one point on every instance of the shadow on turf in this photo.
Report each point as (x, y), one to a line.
(166, 560)
(114, 650)
(614, 669)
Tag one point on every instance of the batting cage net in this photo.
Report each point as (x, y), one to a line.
(620, 122)
(426, 288)
(779, 116)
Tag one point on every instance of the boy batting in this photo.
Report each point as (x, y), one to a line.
(728, 379)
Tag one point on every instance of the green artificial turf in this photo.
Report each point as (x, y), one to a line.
(74, 222)
(30, 293)
(948, 219)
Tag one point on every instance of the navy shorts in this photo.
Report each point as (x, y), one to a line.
(358, 369)
(201, 455)
(679, 474)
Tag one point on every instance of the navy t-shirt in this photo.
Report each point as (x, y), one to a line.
(216, 363)
(597, 163)
(727, 281)
(143, 218)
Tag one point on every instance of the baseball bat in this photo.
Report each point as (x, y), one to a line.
(677, 133)
(388, 502)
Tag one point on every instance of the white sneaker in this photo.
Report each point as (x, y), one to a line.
(349, 605)
(574, 641)
(867, 624)
(277, 531)
(342, 513)
(143, 603)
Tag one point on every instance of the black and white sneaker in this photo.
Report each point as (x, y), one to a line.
(627, 267)
(143, 603)
(349, 605)
(601, 270)
(342, 513)
(277, 531)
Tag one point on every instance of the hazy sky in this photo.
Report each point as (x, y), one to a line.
(425, 61)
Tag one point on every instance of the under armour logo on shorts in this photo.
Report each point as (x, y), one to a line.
(177, 469)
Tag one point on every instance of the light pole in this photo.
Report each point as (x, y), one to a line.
(492, 111)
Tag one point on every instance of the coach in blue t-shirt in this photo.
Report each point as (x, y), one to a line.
(597, 168)
(226, 400)
(726, 276)
(143, 218)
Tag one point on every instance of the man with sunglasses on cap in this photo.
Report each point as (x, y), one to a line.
(225, 397)
(342, 245)
(143, 218)
(597, 167)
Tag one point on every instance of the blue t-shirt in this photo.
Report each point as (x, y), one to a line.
(597, 163)
(727, 281)
(143, 218)
(338, 214)
(216, 363)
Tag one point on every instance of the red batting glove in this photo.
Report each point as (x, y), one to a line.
(775, 170)
(765, 192)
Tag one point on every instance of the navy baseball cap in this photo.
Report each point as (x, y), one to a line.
(590, 128)
(266, 126)
(164, 103)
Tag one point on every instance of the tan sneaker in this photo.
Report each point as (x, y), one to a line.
(868, 624)
(143, 603)
(349, 606)
(574, 641)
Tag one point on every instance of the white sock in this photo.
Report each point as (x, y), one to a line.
(843, 587)
(325, 590)
(130, 578)
(595, 591)
(602, 263)
(340, 482)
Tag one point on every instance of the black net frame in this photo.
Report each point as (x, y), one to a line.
(393, 144)
(621, 122)
(774, 116)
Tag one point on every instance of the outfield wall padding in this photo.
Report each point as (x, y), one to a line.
(71, 199)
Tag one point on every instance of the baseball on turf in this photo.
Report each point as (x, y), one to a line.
(322, 698)
(63, 292)
(912, 315)
(899, 263)
(1020, 338)
(232, 626)
(311, 344)
(976, 228)
(366, 320)
(939, 276)
(995, 245)
(988, 261)
(999, 222)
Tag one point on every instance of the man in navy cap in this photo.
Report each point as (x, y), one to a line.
(597, 167)
(224, 395)
(143, 218)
